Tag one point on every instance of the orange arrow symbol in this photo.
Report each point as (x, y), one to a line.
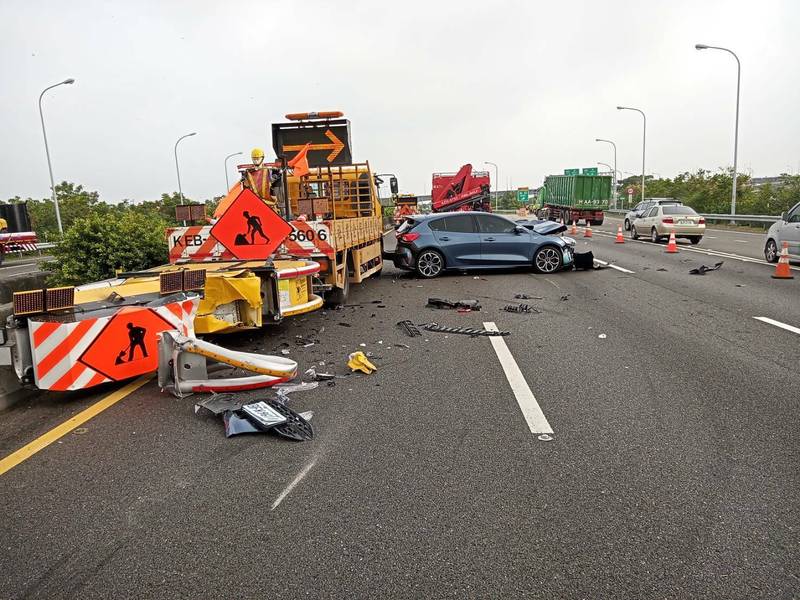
(336, 146)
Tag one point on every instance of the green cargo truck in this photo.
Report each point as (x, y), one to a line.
(575, 197)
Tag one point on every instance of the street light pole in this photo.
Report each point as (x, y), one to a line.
(616, 195)
(644, 137)
(496, 181)
(227, 183)
(177, 168)
(736, 129)
(69, 81)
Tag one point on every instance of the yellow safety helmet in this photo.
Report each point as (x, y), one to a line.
(257, 155)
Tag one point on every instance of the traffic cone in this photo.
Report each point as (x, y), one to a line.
(574, 230)
(620, 239)
(782, 270)
(672, 245)
(588, 231)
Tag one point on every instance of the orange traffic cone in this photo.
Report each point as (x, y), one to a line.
(574, 230)
(782, 270)
(672, 245)
(620, 239)
(588, 231)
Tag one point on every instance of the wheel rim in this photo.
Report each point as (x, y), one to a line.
(429, 264)
(547, 260)
(772, 251)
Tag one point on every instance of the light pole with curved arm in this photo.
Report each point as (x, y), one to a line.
(496, 181)
(69, 81)
(644, 137)
(615, 166)
(736, 129)
(177, 168)
(227, 182)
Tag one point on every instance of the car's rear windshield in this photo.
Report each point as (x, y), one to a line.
(678, 210)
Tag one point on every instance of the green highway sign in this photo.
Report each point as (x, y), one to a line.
(590, 171)
(522, 195)
(572, 171)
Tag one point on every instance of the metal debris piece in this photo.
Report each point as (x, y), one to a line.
(262, 415)
(409, 327)
(451, 304)
(435, 327)
(521, 308)
(702, 269)
(218, 404)
(526, 297)
(296, 427)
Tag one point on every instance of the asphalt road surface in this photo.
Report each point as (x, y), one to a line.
(671, 470)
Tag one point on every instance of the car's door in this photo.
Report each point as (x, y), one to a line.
(502, 243)
(458, 240)
(647, 221)
(790, 231)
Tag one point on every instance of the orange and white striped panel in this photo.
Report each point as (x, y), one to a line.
(309, 238)
(56, 348)
(195, 243)
(180, 314)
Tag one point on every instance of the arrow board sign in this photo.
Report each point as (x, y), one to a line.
(330, 141)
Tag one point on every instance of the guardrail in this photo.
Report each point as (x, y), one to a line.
(716, 217)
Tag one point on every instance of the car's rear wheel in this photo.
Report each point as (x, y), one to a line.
(771, 251)
(627, 225)
(654, 237)
(547, 259)
(430, 263)
(695, 239)
(634, 233)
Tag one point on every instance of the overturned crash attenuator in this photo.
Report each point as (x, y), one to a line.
(183, 369)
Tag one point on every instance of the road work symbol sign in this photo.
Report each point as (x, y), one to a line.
(128, 345)
(250, 229)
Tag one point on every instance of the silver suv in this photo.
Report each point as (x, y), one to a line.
(785, 230)
(642, 208)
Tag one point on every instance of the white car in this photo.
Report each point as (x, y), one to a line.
(785, 230)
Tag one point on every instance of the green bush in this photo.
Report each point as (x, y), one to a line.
(95, 246)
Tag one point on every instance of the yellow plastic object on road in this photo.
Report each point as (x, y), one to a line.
(359, 362)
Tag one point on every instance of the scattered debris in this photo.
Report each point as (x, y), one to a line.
(584, 260)
(409, 327)
(450, 304)
(545, 438)
(343, 324)
(565, 297)
(435, 327)
(661, 269)
(296, 427)
(406, 346)
(359, 362)
(262, 415)
(521, 308)
(218, 404)
(741, 285)
(602, 336)
(234, 424)
(285, 351)
(312, 374)
(527, 297)
(702, 269)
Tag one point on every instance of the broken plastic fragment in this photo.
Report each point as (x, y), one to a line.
(218, 404)
(602, 336)
(359, 362)
(234, 424)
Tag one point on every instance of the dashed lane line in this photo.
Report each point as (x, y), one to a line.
(769, 321)
(605, 264)
(530, 408)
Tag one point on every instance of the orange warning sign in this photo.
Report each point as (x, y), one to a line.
(250, 229)
(128, 345)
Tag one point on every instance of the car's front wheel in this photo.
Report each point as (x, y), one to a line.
(547, 259)
(429, 264)
(771, 251)
(634, 233)
(627, 225)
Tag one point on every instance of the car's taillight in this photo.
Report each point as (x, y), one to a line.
(702, 221)
(408, 237)
(667, 220)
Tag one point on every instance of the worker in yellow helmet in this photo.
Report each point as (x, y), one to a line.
(257, 176)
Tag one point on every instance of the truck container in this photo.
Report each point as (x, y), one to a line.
(575, 197)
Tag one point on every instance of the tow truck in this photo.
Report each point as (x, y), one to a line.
(464, 190)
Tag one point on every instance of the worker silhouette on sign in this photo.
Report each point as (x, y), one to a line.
(253, 228)
(135, 340)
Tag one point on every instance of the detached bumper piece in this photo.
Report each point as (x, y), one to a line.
(268, 416)
(182, 367)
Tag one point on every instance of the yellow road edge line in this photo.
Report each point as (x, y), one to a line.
(24, 453)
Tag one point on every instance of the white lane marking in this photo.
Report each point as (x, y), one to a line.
(711, 237)
(740, 242)
(778, 324)
(530, 408)
(293, 484)
(602, 262)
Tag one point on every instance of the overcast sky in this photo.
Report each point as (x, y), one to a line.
(428, 86)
